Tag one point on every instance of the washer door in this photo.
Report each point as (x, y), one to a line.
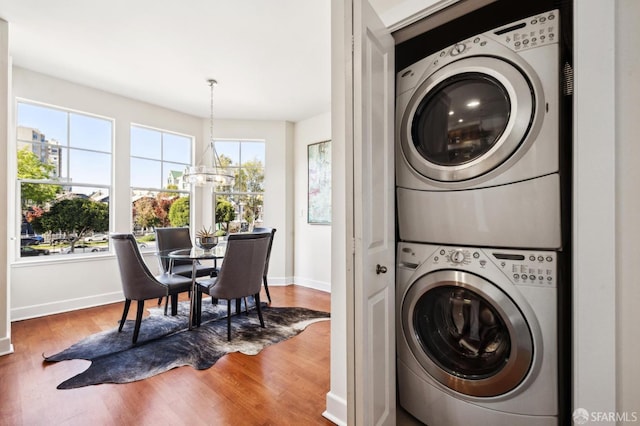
(467, 333)
(467, 118)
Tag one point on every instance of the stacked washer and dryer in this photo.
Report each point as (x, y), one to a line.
(479, 223)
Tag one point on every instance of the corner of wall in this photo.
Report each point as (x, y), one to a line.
(5, 108)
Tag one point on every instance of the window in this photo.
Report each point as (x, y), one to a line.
(160, 197)
(240, 208)
(64, 180)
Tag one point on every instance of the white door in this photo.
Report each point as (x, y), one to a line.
(374, 384)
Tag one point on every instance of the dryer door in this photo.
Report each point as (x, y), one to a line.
(469, 117)
(467, 333)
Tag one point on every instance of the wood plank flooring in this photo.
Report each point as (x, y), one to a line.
(286, 384)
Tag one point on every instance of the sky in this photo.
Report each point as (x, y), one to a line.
(86, 143)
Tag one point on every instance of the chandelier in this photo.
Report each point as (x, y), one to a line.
(213, 173)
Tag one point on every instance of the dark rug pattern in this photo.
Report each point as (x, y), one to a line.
(165, 342)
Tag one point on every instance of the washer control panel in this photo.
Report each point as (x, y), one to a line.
(521, 267)
(528, 268)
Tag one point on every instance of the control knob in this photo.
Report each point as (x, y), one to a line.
(458, 49)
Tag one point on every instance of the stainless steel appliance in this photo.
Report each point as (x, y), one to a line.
(477, 335)
(477, 139)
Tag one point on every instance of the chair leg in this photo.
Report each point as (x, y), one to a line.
(238, 306)
(266, 288)
(198, 302)
(257, 296)
(174, 305)
(229, 320)
(159, 301)
(127, 303)
(136, 329)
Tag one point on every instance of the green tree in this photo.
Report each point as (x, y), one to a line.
(74, 218)
(144, 213)
(179, 212)
(30, 167)
(251, 177)
(225, 213)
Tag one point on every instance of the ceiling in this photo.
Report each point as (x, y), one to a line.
(272, 59)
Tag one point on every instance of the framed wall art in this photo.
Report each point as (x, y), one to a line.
(319, 178)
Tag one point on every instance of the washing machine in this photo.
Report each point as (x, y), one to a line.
(477, 335)
(477, 140)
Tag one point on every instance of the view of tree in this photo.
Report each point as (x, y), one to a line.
(164, 201)
(74, 218)
(179, 212)
(225, 213)
(30, 167)
(145, 213)
(251, 177)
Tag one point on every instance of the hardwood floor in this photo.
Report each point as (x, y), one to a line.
(285, 384)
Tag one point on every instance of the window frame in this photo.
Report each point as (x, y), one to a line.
(162, 161)
(232, 193)
(58, 180)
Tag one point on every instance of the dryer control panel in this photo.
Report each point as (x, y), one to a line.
(531, 32)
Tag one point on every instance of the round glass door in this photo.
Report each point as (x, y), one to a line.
(467, 118)
(461, 119)
(466, 333)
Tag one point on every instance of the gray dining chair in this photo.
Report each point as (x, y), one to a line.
(240, 275)
(138, 283)
(272, 231)
(175, 239)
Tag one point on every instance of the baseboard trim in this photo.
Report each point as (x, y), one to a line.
(317, 285)
(336, 409)
(6, 347)
(35, 311)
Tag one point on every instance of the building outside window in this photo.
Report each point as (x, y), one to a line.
(63, 180)
(240, 208)
(159, 194)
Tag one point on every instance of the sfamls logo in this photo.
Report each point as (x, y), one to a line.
(582, 416)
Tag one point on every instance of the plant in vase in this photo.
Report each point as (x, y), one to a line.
(205, 239)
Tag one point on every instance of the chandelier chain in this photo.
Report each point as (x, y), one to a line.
(212, 84)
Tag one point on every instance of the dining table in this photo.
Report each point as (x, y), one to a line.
(195, 255)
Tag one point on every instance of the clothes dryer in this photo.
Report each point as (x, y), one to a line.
(477, 335)
(477, 159)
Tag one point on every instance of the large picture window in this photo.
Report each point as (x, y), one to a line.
(160, 196)
(240, 208)
(63, 180)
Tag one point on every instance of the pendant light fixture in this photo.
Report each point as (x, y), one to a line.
(209, 171)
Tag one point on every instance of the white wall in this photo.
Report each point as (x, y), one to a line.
(40, 287)
(312, 255)
(5, 96)
(627, 73)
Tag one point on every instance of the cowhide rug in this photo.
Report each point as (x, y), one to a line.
(165, 342)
